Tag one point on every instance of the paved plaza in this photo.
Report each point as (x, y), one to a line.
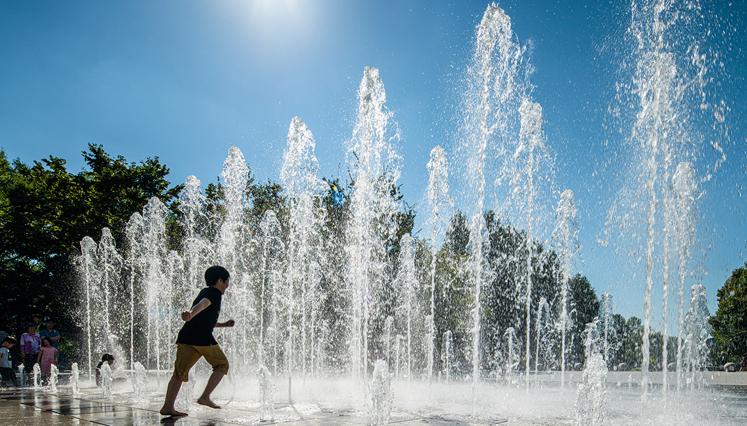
(27, 406)
(715, 404)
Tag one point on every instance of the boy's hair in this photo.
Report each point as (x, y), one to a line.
(107, 357)
(215, 273)
(9, 340)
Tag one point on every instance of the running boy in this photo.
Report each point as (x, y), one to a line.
(195, 340)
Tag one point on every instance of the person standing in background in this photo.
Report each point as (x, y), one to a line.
(6, 365)
(46, 358)
(30, 345)
(36, 319)
(51, 333)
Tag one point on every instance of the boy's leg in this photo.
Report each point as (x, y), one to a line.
(216, 358)
(212, 383)
(186, 357)
(172, 390)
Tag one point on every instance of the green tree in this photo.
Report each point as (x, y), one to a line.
(730, 321)
(45, 210)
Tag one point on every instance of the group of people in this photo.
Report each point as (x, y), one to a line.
(38, 345)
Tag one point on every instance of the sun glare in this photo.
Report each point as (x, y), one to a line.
(274, 18)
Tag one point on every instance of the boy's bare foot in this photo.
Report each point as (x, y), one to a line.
(207, 402)
(171, 412)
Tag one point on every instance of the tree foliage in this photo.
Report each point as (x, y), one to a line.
(45, 210)
(730, 321)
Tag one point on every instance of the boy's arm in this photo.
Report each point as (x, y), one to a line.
(196, 309)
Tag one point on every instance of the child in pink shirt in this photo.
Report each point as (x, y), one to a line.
(47, 357)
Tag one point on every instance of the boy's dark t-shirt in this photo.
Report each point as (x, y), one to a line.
(199, 330)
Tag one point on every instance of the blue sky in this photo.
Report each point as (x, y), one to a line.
(185, 80)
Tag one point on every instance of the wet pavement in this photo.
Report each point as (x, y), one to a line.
(26, 406)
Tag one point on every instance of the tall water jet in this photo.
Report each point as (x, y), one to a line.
(670, 75)
(280, 297)
(107, 295)
(388, 325)
(174, 275)
(565, 235)
(99, 267)
(698, 331)
(655, 114)
(234, 180)
(446, 343)
(232, 237)
(374, 164)
(407, 281)
(133, 260)
(439, 204)
(302, 187)
(605, 316)
(397, 354)
(245, 339)
(87, 271)
(510, 353)
(272, 250)
(685, 193)
(530, 154)
(158, 294)
(543, 330)
(490, 92)
(194, 220)
(314, 325)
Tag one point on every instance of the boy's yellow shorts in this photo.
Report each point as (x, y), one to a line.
(188, 355)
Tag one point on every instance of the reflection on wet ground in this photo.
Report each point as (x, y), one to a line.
(714, 405)
(27, 406)
(30, 407)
